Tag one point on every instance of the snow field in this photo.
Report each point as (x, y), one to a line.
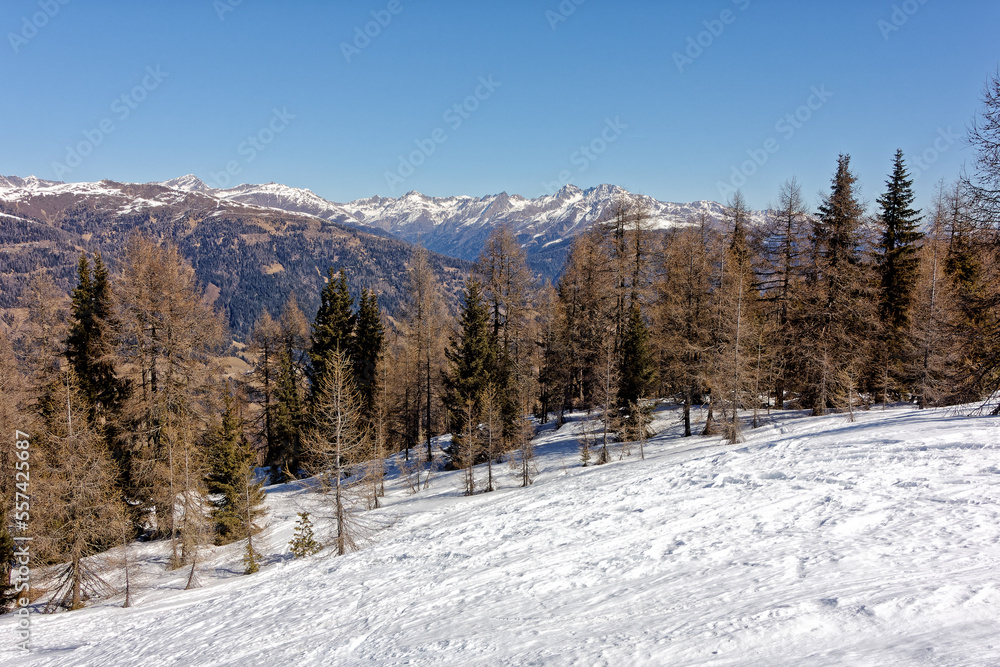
(816, 541)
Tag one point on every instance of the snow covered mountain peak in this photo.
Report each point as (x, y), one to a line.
(455, 225)
(188, 183)
(29, 183)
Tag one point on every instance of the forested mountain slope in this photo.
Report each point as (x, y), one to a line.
(249, 257)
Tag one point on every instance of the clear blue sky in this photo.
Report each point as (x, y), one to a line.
(680, 129)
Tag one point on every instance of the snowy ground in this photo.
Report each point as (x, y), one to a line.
(815, 542)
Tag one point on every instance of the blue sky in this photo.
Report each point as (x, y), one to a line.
(678, 100)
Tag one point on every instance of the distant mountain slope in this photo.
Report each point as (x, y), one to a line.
(253, 256)
(460, 223)
(458, 226)
(256, 243)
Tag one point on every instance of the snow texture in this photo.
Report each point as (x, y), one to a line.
(817, 541)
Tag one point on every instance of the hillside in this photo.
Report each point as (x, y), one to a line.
(254, 244)
(252, 257)
(817, 541)
(457, 226)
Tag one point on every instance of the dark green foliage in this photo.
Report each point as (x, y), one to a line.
(836, 235)
(333, 328)
(303, 543)
(288, 418)
(287, 384)
(836, 315)
(369, 343)
(473, 358)
(897, 249)
(226, 459)
(87, 345)
(237, 498)
(638, 370)
(897, 266)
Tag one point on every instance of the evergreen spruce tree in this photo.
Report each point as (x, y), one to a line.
(288, 409)
(897, 264)
(88, 346)
(837, 310)
(638, 370)
(303, 543)
(227, 460)
(288, 420)
(473, 356)
(369, 343)
(333, 328)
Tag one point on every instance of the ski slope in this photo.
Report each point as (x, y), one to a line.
(817, 541)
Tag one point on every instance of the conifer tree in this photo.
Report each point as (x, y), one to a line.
(338, 440)
(230, 478)
(637, 370)
(838, 306)
(237, 494)
(982, 184)
(379, 425)
(167, 339)
(552, 374)
(683, 314)
(369, 343)
(493, 432)
(75, 505)
(466, 451)
(251, 509)
(784, 244)
(933, 302)
(285, 457)
(89, 344)
(897, 248)
(637, 373)
(333, 328)
(289, 415)
(897, 265)
(607, 378)
(265, 343)
(587, 302)
(422, 353)
(971, 272)
(303, 543)
(732, 374)
(506, 283)
(473, 357)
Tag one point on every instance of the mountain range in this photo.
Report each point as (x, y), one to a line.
(457, 226)
(252, 245)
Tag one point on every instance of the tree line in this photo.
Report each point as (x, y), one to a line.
(139, 431)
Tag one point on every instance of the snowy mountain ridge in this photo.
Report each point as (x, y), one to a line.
(251, 242)
(455, 226)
